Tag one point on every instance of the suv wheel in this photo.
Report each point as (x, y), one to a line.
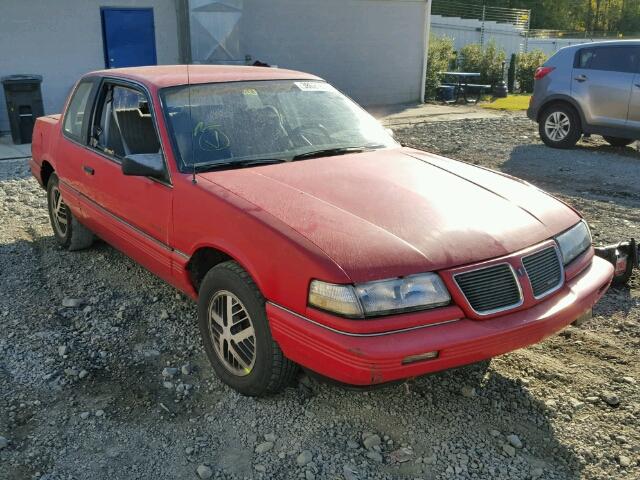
(236, 335)
(559, 127)
(617, 141)
(69, 233)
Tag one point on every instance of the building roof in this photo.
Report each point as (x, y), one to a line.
(171, 75)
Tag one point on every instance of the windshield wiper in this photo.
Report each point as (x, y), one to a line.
(328, 152)
(204, 167)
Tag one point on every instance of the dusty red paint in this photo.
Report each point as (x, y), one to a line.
(346, 219)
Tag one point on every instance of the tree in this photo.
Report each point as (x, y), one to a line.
(586, 16)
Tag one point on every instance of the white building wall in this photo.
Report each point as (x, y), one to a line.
(373, 50)
(62, 39)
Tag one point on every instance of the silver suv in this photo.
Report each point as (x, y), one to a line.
(592, 88)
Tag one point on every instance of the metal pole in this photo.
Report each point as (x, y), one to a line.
(184, 31)
(425, 56)
(484, 10)
(526, 36)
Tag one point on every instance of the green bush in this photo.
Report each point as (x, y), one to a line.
(440, 55)
(487, 61)
(492, 64)
(470, 58)
(527, 64)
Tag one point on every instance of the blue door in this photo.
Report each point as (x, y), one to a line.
(128, 36)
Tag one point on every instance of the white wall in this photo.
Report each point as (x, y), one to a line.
(552, 45)
(370, 49)
(62, 39)
(464, 31)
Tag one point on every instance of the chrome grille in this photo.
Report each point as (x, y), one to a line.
(490, 289)
(544, 270)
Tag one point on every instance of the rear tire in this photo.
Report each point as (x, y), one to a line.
(617, 141)
(69, 233)
(236, 334)
(559, 126)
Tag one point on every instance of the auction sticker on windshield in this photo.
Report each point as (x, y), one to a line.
(314, 86)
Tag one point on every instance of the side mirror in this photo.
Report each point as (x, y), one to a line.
(144, 165)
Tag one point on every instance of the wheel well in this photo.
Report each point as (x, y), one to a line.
(564, 103)
(45, 173)
(203, 260)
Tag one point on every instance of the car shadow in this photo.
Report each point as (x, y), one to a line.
(584, 171)
(429, 414)
(435, 417)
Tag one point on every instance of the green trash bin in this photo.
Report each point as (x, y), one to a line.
(24, 104)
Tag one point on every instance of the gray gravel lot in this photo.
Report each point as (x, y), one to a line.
(86, 337)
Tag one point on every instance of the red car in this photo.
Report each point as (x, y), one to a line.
(306, 234)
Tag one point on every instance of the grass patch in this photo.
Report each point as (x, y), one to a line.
(512, 102)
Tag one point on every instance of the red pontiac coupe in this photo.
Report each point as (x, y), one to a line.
(306, 234)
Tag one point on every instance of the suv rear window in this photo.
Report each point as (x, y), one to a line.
(612, 59)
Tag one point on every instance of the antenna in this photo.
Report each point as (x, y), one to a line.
(193, 159)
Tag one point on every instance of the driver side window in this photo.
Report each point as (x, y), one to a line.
(124, 125)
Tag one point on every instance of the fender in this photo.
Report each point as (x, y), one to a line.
(560, 97)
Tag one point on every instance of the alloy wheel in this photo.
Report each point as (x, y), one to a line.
(59, 212)
(557, 126)
(232, 333)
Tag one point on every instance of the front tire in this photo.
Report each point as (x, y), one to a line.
(559, 126)
(69, 233)
(236, 334)
(617, 141)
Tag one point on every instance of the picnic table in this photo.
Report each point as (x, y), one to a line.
(462, 86)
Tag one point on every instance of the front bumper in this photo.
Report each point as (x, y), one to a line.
(367, 359)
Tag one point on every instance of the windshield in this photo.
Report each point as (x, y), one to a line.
(240, 122)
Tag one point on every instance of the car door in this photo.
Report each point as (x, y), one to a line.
(601, 83)
(136, 210)
(633, 118)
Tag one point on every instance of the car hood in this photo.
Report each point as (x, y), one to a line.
(394, 212)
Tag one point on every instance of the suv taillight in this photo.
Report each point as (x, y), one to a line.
(542, 72)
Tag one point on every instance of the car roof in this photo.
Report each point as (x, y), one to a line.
(633, 42)
(161, 76)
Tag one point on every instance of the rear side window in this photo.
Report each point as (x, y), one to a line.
(611, 59)
(75, 115)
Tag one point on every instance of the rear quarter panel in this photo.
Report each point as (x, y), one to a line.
(557, 84)
(44, 140)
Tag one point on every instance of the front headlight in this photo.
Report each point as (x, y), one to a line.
(574, 241)
(415, 292)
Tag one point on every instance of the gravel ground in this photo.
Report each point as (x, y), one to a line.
(102, 374)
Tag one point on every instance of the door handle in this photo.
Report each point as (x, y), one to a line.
(581, 78)
(88, 170)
